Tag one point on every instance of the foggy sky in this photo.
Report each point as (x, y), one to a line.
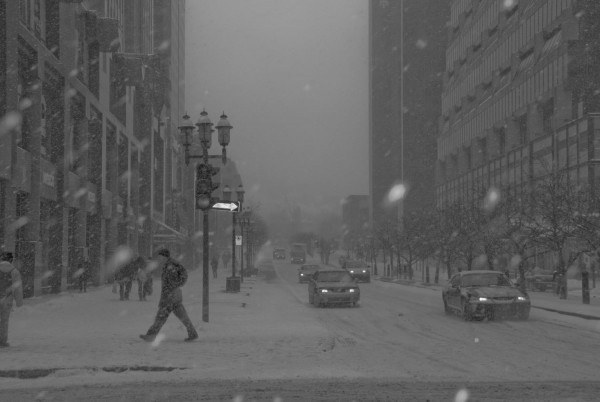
(292, 75)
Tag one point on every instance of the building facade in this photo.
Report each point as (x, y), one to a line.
(91, 96)
(407, 42)
(520, 96)
(355, 221)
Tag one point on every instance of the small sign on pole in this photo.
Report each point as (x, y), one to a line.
(238, 240)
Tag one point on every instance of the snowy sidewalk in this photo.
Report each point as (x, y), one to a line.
(93, 334)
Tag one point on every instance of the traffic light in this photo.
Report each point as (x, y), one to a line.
(205, 185)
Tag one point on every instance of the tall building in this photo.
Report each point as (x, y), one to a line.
(407, 42)
(90, 98)
(520, 96)
(355, 220)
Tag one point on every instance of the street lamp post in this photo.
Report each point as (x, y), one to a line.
(204, 182)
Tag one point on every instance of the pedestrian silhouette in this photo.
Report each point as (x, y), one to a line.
(173, 276)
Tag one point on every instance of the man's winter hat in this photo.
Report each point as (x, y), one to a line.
(164, 252)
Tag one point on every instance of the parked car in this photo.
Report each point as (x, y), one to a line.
(279, 254)
(332, 287)
(358, 269)
(484, 294)
(306, 271)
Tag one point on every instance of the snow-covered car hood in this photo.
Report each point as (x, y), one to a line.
(495, 291)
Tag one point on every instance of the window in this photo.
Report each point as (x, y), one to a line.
(547, 115)
(500, 134)
(522, 129)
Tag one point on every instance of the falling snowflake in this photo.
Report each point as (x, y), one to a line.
(462, 395)
(396, 193)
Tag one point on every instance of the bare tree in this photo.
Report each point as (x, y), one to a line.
(554, 217)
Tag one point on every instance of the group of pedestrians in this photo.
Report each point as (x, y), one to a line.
(173, 277)
(214, 262)
(136, 270)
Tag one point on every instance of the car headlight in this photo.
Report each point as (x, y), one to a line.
(351, 271)
(324, 290)
(352, 290)
(364, 271)
(483, 299)
(521, 298)
(301, 274)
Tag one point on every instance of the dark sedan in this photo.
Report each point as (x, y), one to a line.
(332, 287)
(359, 270)
(306, 271)
(279, 254)
(484, 294)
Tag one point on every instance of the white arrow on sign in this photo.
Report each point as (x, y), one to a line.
(226, 206)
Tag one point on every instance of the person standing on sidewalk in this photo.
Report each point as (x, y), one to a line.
(11, 289)
(84, 272)
(173, 276)
(215, 265)
(141, 278)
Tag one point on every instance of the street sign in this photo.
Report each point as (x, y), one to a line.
(227, 206)
(238, 240)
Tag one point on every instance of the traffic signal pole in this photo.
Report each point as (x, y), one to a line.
(205, 246)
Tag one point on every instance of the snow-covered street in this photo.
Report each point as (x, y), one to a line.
(269, 331)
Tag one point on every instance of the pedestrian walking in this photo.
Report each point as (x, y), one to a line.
(174, 276)
(214, 262)
(149, 276)
(225, 258)
(84, 272)
(11, 289)
(142, 277)
(125, 276)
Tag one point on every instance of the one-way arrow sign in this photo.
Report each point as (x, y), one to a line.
(226, 206)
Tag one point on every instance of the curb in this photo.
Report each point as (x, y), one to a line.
(580, 315)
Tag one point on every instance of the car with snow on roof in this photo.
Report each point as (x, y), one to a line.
(484, 294)
(332, 286)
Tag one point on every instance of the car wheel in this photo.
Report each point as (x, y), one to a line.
(466, 310)
(311, 298)
(447, 308)
(354, 304)
(523, 314)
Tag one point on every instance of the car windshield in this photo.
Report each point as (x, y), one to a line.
(485, 280)
(309, 267)
(335, 276)
(354, 264)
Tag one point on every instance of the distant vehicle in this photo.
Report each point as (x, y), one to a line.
(484, 294)
(279, 254)
(305, 272)
(540, 282)
(298, 253)
(332, 287)
(358, 269)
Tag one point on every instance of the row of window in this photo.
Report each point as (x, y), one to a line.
(548, 11)
(570, 148)
(505, 105)
(501, 56)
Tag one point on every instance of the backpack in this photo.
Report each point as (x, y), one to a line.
(178, 276)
